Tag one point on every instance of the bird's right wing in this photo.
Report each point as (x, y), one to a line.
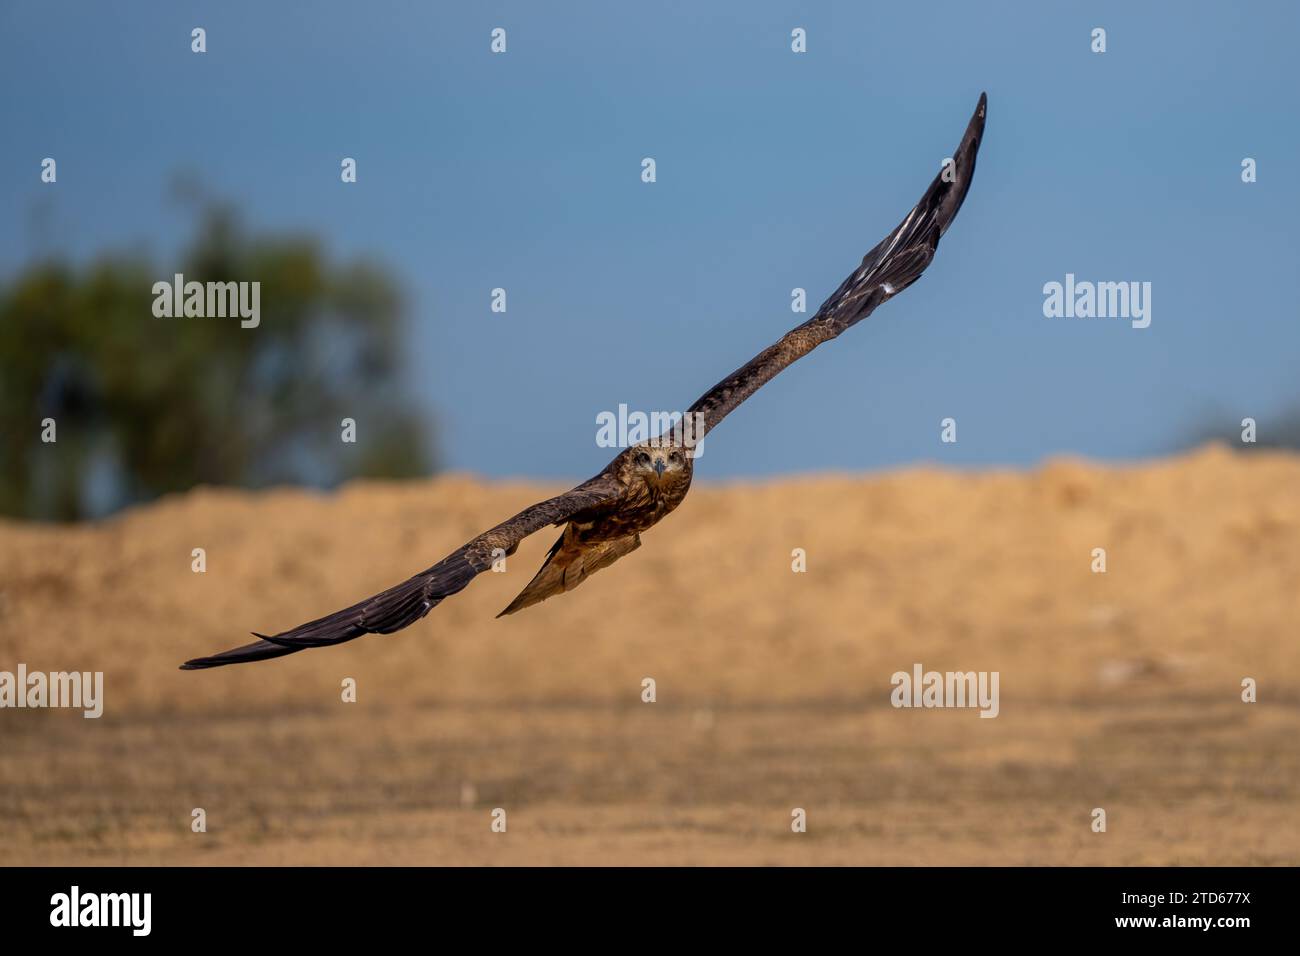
(403, 605)
(895, 263)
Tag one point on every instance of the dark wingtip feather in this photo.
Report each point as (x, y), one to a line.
(260, 650)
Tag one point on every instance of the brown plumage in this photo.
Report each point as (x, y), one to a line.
(604, 517)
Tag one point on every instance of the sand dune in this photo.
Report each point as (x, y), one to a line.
(1118, 690)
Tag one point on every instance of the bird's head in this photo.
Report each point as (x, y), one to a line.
(659, 464)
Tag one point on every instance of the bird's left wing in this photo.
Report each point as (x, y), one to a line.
(403, 605)
(894, 264)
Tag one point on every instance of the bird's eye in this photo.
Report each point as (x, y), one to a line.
(675, 456)
(642, 458)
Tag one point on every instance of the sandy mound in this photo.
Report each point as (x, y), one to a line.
(1119, 690)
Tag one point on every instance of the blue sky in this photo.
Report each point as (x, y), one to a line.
(775, 170)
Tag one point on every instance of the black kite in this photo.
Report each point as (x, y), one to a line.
(604, 517)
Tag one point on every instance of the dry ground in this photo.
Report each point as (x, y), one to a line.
(1118, 690)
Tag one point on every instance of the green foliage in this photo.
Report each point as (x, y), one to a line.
(146, 405)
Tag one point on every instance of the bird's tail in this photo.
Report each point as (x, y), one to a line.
(569, 563)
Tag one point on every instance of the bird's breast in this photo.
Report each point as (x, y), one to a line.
(643, 508)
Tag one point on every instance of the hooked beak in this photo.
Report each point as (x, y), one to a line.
(659, 467)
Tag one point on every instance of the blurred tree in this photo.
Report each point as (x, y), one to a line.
(146, 405)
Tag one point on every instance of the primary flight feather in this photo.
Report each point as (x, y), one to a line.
(604, 517)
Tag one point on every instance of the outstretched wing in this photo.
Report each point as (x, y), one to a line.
(894, 264)
(403, 605)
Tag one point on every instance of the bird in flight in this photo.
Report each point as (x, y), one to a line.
(603, 518)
